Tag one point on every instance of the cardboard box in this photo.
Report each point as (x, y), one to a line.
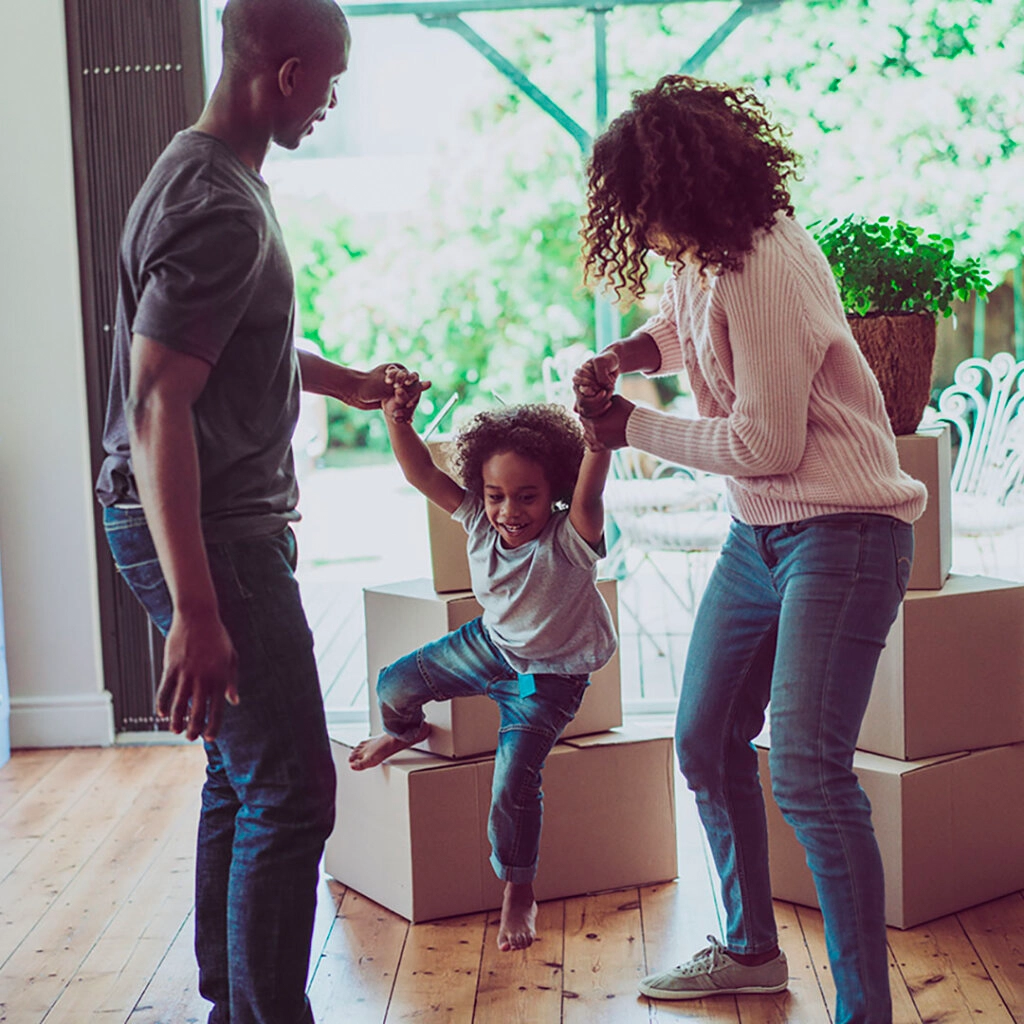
(412, 834)
(951, 676)
(403, 616)
(448, 561)
(926, 457)
(949, 830)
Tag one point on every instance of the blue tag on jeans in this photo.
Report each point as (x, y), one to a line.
(527, 684)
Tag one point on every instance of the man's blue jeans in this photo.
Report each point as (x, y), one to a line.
(466, 663)
(268, 800)
(796, 614)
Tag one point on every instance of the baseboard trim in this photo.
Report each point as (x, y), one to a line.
(155, 738)
(77, 720)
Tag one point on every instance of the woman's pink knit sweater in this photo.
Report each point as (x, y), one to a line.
(789, 409)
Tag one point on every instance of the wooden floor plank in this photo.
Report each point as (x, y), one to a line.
(803, 1002)
(53, 950)
(25, 829)
(40, 878)
(329, 895)
(172, 995)
(437, 977)
(120, 965)
(996, 931)
(523, 987)
(603, 959)
(21, 773)
(116, 941)
(813, 928)
(57, 790)
(903, 1009)
(945, 977)
(356, 971)
(678, 917)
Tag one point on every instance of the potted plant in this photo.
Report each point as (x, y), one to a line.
(894, 281)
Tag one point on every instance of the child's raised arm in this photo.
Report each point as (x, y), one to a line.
(412, 454)
(586, 511)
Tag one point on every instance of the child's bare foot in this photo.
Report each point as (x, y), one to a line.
(518, 927)
(371, 752)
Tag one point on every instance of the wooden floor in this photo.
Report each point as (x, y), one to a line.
(95, 925)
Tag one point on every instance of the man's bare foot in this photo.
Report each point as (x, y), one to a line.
(371, 752)
(518, 927)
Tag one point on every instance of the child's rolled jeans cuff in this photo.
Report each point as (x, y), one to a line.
(517, 876)
(409, 735)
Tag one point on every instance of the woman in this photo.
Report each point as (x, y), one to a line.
(817, 560)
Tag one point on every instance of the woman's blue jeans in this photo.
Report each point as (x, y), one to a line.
(796, 615)
(466, 663)
(268, 800)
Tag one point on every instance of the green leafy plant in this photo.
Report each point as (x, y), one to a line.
(890, 267)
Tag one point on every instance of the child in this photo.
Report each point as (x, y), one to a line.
(533, 509)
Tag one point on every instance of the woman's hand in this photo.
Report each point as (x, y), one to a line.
(607, 431)
(594, 383)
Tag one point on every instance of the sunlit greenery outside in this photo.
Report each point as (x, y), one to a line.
(910, 110)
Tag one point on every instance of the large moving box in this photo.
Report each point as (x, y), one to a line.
(951, 676)
(403, 616)
(949, 829)
(448, 561)
(412, 834)
(926, 457)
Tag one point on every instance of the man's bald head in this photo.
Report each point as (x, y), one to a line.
(259, 35)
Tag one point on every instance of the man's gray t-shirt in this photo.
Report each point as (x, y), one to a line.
(204, 270)
(540, 601)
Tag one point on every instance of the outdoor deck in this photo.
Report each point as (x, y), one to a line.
(348, 541)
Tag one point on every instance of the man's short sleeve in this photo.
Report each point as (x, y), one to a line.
(198, 281)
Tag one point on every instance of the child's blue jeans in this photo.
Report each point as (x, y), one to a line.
(797, 614)
(466, 663)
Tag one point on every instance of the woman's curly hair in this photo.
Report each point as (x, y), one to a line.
(700, 162)
(547, 434)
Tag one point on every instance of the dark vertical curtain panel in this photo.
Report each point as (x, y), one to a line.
(136, 78)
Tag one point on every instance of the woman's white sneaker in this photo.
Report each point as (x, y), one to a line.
(713, 972)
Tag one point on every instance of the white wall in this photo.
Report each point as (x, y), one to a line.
(46, 541)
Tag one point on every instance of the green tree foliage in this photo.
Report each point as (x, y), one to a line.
(911, 109)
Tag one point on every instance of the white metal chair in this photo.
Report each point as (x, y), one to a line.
(657, 508)
(653, 507)
(984, 406)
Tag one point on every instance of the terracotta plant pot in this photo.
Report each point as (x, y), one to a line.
(900, 350)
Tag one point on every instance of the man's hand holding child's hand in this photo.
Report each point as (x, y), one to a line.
(407, 390)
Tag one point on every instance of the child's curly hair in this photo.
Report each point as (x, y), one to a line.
(547, 434)
(700, 162)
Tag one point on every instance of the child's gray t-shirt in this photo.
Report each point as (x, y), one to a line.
(541, 605)
(204, 271)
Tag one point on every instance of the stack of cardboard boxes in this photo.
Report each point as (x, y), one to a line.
(412, 834)
(941, 749)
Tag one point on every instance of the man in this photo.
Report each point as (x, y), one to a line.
(199, 490)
